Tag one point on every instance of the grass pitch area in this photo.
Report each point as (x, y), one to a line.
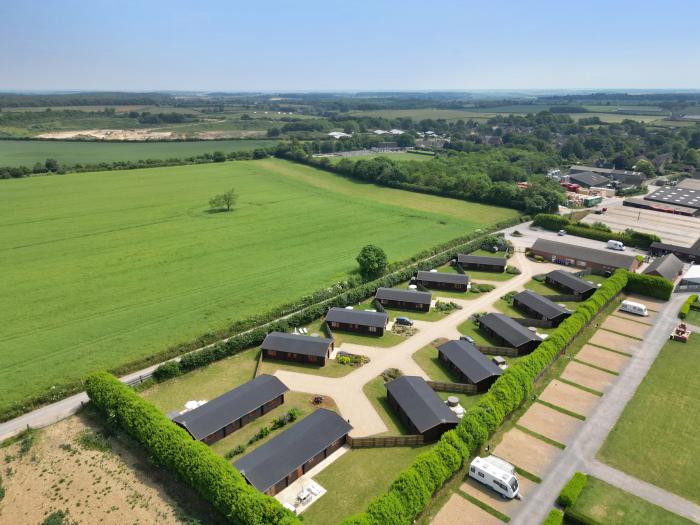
(655, 439)
(103, 269)
(602, 503)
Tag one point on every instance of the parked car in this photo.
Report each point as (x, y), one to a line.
(405, 321)
(561, 233)
(467, 339)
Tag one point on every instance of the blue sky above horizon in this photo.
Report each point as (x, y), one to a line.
(219, 45)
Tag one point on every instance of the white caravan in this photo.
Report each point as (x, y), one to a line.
(497, 474)
(634, 308)
(616, 245)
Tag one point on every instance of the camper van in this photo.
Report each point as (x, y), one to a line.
(497, 474)
(634, 308)
(616, 245)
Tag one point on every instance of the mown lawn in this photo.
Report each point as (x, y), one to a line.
(376, 393)
(656, 438)
(104, 269)
(603, 503)
(354, 479)
(427, 359)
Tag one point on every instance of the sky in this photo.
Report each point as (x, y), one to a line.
(229, 45)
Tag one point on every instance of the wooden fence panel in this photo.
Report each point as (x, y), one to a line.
(385, 441)
(457, 388)
(498, 350)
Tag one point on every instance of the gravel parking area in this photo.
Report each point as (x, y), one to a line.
(648, 320)
(587, 376)
(570, 398)
(550, 423)
(459, 510)
(603, 358)
(492, 498)
(527, 452)
(614, 341)
(625, 326)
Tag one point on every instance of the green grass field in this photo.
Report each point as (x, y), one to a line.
(103, 269)
(29, 152)
(655, 439)
(603, 503)
(400, 157)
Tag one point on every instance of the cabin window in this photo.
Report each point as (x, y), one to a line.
(481, 474)
(372, 329)
(334, 324)
(472, 469)
(271, 353)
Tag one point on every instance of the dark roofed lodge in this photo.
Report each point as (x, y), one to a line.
(536, 306)
(357, 320)
(293, 347)
(471, 366)
(273, 466)
(570, 284)
(404, 299)
(227, 413)
(509, 332)
(443, 280)
(482, 263)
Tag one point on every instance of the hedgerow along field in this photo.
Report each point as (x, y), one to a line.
(29, 152)
(103, 269)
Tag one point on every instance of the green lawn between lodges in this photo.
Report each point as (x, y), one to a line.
(656, 438)
(600, 502)
(104, 269)
(354, 479)
(29, 152)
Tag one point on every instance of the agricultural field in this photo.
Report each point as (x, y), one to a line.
(655, 439)
(29, 152)
(105, 269)
(425, 113)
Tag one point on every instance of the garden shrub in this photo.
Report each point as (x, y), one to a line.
(214, 478)
(167, 370)
(572, 490)
(416, 485)
(555, 517)
(685, 308)
(649, 285)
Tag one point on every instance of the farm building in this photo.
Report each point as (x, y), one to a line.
(465, 361)
(668, 266)
(404, 299)
(293, 347)
(227, 413)
(631, 178)
(442, 280)
(582, 256)
(536, 306)
(688, 254)
(588, 180)
(482, 263)
(419, 407)
(509, 332)
(272, 467)
(687, 197)
(569, 284)
(357, 320)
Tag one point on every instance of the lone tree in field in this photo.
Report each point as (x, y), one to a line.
(225, 201)
(372, 261)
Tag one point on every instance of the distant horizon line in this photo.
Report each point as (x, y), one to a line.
(582, 90)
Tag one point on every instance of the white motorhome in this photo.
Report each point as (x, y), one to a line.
(634, 308)
(616, 245)
(497, 474)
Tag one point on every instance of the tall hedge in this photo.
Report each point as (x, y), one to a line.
(649, 285)
(555, 517)
(685, 308)
(409, 493)
(215, 479)
(572, 490)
